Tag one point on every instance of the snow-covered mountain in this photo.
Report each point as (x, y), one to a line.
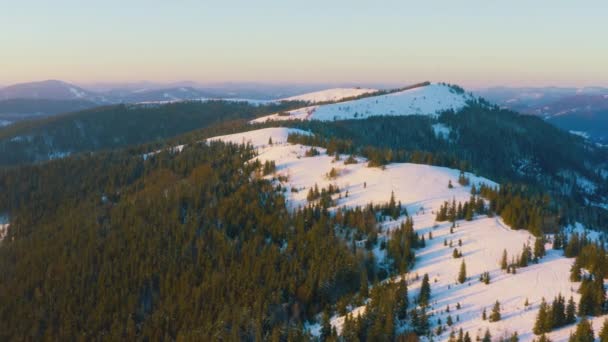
(422, 189)
(424, 100)
(330, 95)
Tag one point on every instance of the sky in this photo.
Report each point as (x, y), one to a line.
(475, 43)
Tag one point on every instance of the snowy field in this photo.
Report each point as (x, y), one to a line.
(426, 100)
(422, 189)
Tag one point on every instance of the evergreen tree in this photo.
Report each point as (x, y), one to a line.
(540, 325)
(571, 311)
(425, 291)
(525, 256)
(539, 248)
(462, 274)
(503, 261)
(487, 337)
(483, 314)
(584, 332)
(558, 312)
(495, 314)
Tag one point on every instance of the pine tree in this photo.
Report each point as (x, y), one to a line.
(467, 338)
(584, 332)
(487, 337)
(483, 314)
(462, 275)
(558, 312)
(503, 261)
(571, 311)
(495, 314)
(425, 291)
(402, 300)
(539, 248)
(525, 256)
(540, 325)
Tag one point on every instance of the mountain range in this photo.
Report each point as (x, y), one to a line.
(423, 212)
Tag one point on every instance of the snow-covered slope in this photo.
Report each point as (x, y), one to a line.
(426, 100)
(422, 189)
(261, 137)
(334, 94)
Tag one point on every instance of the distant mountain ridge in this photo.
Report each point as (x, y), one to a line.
(583, 110)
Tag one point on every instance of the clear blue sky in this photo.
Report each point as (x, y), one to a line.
(474, 43)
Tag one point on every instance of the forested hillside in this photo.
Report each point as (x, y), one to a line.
(181, 245)
(116, 126)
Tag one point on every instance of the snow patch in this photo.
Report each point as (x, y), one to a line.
(441, 131)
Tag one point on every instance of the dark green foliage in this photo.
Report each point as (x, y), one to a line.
(593, 296)
(584, 332)
(179, 246)
(485, 278)
(539, 248)
(487, 337)
(425, 291)
(462, 274)
(553, 316)
(495, 314)
(388, 302)
(401, 244)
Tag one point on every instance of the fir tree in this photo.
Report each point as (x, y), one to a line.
(483, 314)
(584, 332)
(495, 314)
(503, 261)
(539, 248)
(425, 291)
(487, 337)
(462, 274)
(540, 325)
(571, 311)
